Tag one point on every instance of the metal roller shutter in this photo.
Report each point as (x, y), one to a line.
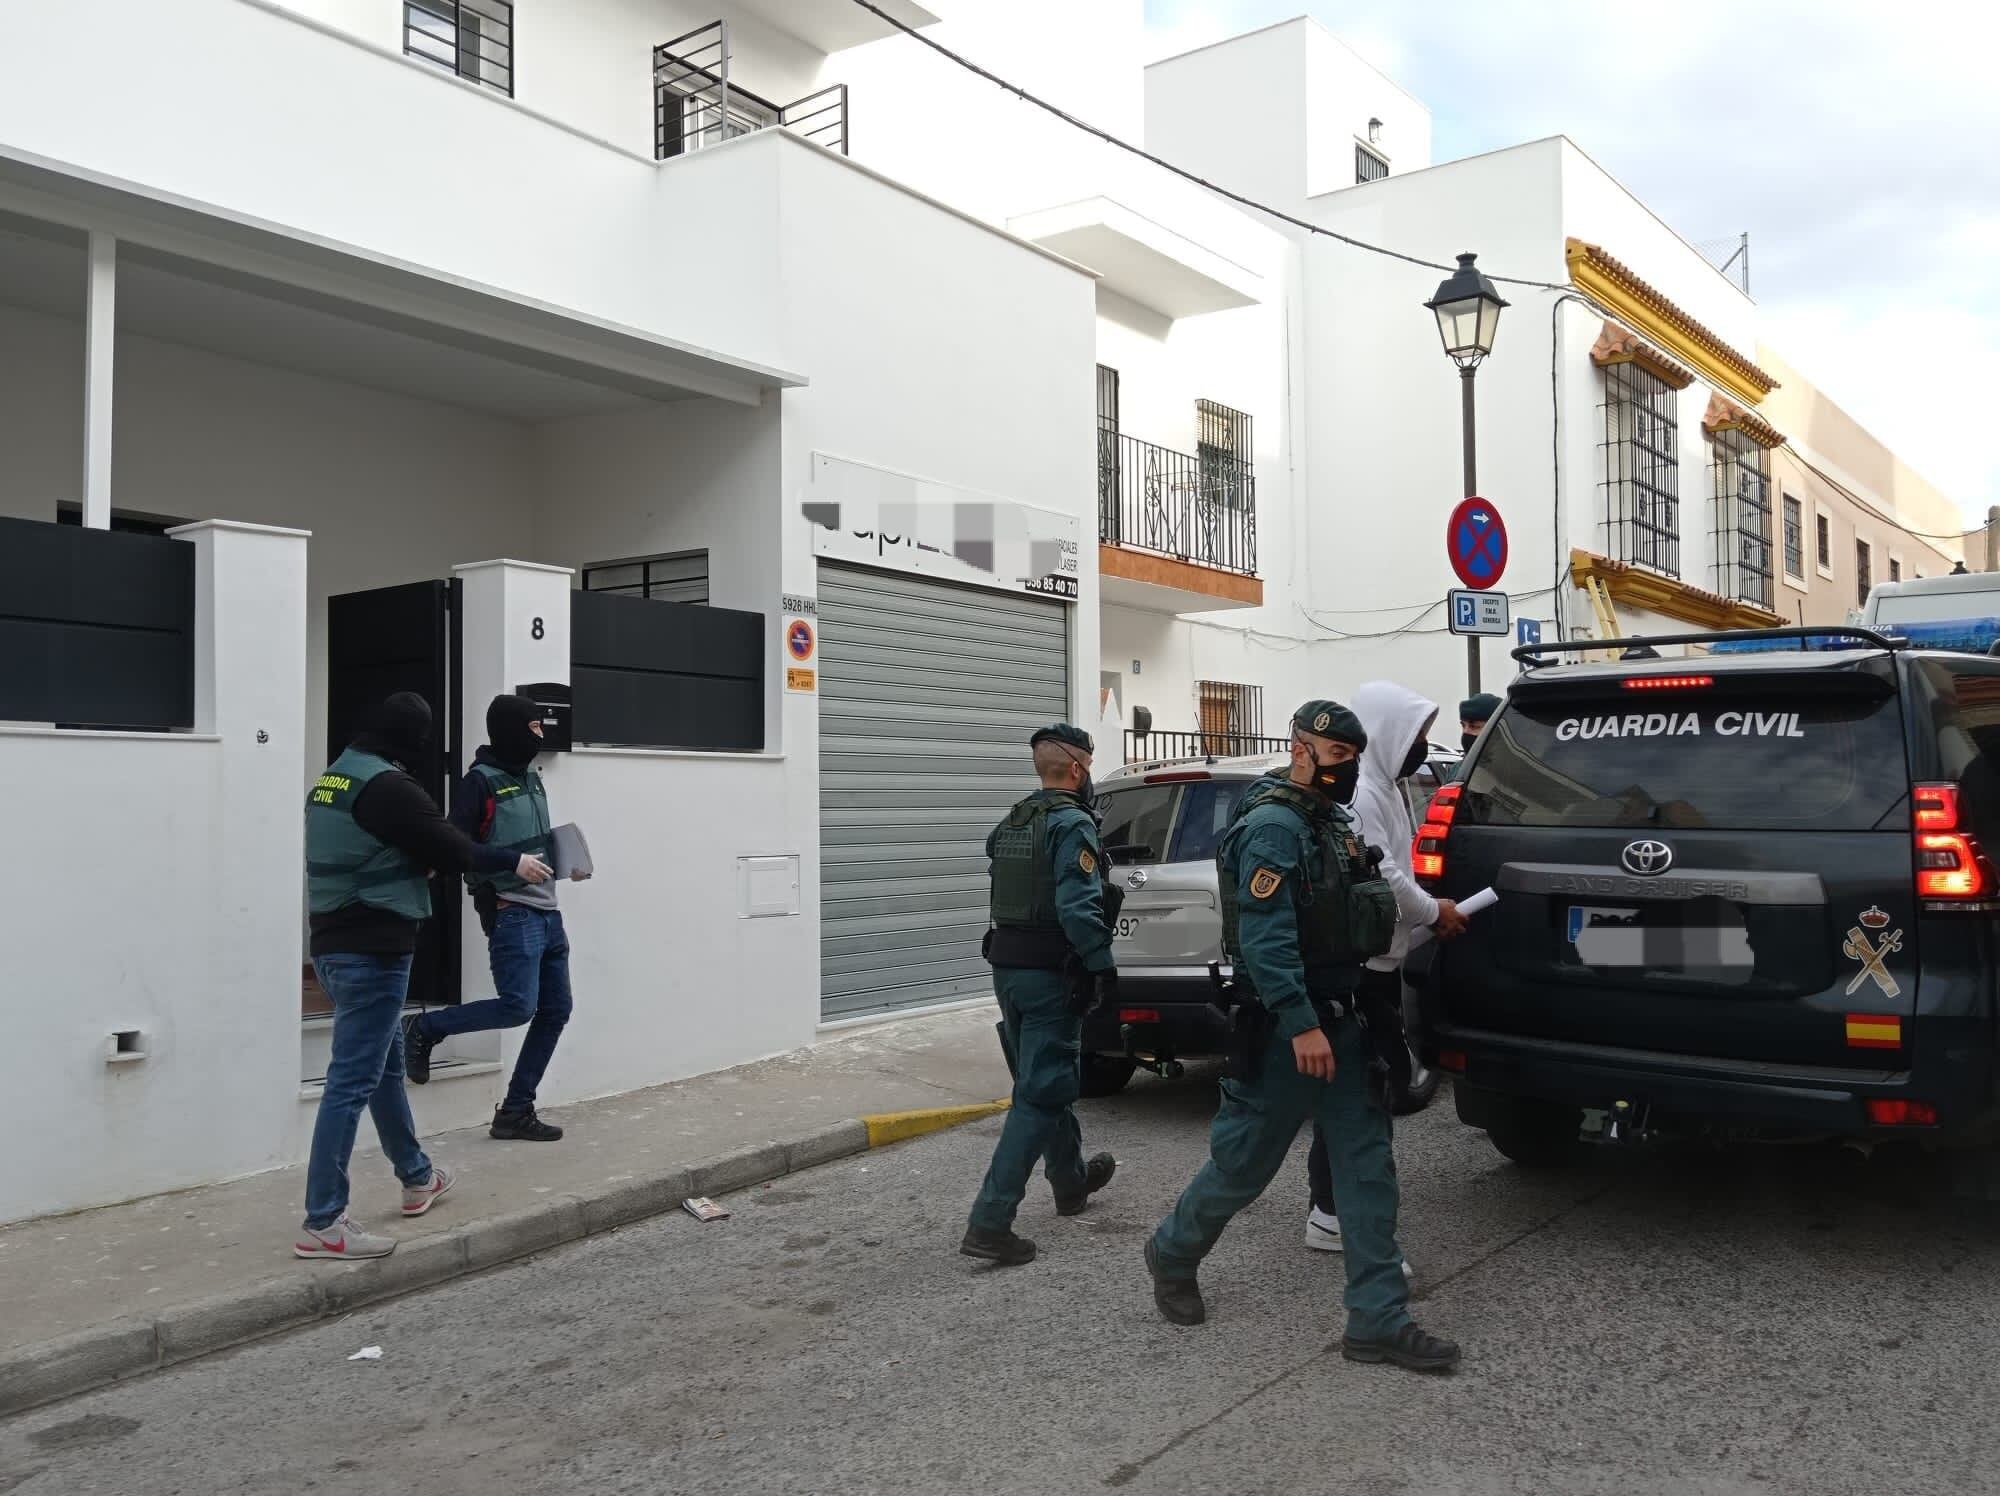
(928, 693)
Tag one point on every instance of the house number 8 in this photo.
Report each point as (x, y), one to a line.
(536, 629)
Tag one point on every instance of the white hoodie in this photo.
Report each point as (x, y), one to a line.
(1394, 717)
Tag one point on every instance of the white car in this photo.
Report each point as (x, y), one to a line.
(1162, 820)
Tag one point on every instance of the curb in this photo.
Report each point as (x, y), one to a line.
(34, 1375)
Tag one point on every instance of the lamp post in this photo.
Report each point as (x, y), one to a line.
(1468, 315)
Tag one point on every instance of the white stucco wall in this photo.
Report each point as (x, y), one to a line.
(145, 908)
(404, 164)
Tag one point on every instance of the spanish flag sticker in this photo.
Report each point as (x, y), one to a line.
(1874, 1031)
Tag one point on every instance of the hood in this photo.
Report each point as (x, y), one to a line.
(1393, 716)
(508, 736)
(398, 729)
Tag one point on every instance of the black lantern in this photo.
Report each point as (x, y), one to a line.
(1468, 313)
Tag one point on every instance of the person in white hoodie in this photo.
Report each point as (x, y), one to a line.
(1398, 722)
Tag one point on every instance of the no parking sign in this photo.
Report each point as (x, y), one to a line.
(1476, 540)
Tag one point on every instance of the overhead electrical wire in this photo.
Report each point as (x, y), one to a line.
(1180, 171)
(1565, 293)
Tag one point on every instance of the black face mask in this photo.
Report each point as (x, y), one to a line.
(1337, 782)
(1419, 751)
(1466, 740)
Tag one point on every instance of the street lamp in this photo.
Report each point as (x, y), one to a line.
(1468, 316)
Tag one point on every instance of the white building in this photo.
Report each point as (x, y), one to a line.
(546, 313)
(371, 293)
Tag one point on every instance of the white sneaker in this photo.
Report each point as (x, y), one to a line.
(343, 1241)
(419, 1198)
(1322, 1231)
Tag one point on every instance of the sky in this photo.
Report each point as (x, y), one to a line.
(1857, 143)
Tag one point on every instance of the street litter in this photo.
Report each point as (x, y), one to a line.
(704, 1209)
(367, 1353)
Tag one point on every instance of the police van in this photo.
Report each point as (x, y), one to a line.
(1748, 891)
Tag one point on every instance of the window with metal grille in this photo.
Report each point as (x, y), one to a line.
(1895, 568)
(1642, 468)
(1368, 167)
(1741, 472)
(681, 577)
(1864, 572)
(1823, 533)
(1230, 715)
(1109, 458)
(472, 38)
(1795, 539)
(1222, 448)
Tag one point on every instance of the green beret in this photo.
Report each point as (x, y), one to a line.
(1063, 732)
(1329, 719)
(1478, 708)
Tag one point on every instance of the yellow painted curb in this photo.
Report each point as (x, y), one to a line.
(893, 1127)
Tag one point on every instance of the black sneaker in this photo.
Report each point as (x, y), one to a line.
(1409, 1348)
(1178, 1296)
(1003, 1247)
(1096, 1174)
(523, 1127)
(417, 1047)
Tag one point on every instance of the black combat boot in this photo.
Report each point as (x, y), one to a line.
(1409, 1348)
(1177, 1295)
(417, 1047)
(1003, 1247)
(1096, 1174)
(523, 1127)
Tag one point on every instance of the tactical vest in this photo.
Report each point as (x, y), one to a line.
(520, 822)
(1024, 882)
(344, 864)
(1346, 914)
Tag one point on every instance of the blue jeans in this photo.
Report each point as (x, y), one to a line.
(367, 993)
(530, 955)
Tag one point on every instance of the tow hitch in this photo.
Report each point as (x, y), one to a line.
(1166, 1069)
(1620, 1122)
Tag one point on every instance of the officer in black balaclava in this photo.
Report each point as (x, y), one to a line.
(373, 837)
(504, 803)
(1473, 714)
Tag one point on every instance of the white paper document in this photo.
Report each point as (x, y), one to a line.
(1485, 899)
(569, 853)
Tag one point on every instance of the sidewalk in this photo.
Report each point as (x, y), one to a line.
(110, 1293)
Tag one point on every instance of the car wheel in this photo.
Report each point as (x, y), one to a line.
(1106, 1074)
(1424, 1083)
(1535, 1134)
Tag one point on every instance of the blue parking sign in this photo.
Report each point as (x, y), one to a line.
(1527, 631)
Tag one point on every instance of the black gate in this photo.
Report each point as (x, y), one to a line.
(393, 639)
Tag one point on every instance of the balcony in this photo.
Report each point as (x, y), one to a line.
(695, 103)
(1178, 531)
(1168, 272)
(1155, 746)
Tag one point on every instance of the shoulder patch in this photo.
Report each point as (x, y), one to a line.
(1265, 882)
(1085, 861)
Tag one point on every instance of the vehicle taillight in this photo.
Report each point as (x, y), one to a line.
(1897, 1111)
(1669, 682)
(1138, 1015)
(1452, 1060)
(1178, 776)
(1949, 862)
(1427, 851)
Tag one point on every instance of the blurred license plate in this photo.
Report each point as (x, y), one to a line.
(1657, 939)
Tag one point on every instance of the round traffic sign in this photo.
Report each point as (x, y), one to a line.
(799, 639)
(1476, 540)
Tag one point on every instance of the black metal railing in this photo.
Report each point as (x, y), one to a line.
(1200, 509)
(472, 38)
(1144, 747)
(696, 103)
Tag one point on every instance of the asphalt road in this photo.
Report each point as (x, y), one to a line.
(1756, 1321)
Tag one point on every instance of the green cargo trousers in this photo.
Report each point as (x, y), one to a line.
(1253, 1132)
(1043, 1041)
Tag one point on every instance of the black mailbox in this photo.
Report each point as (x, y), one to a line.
(554, 700)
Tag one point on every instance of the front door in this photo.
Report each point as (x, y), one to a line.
(405, 638)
